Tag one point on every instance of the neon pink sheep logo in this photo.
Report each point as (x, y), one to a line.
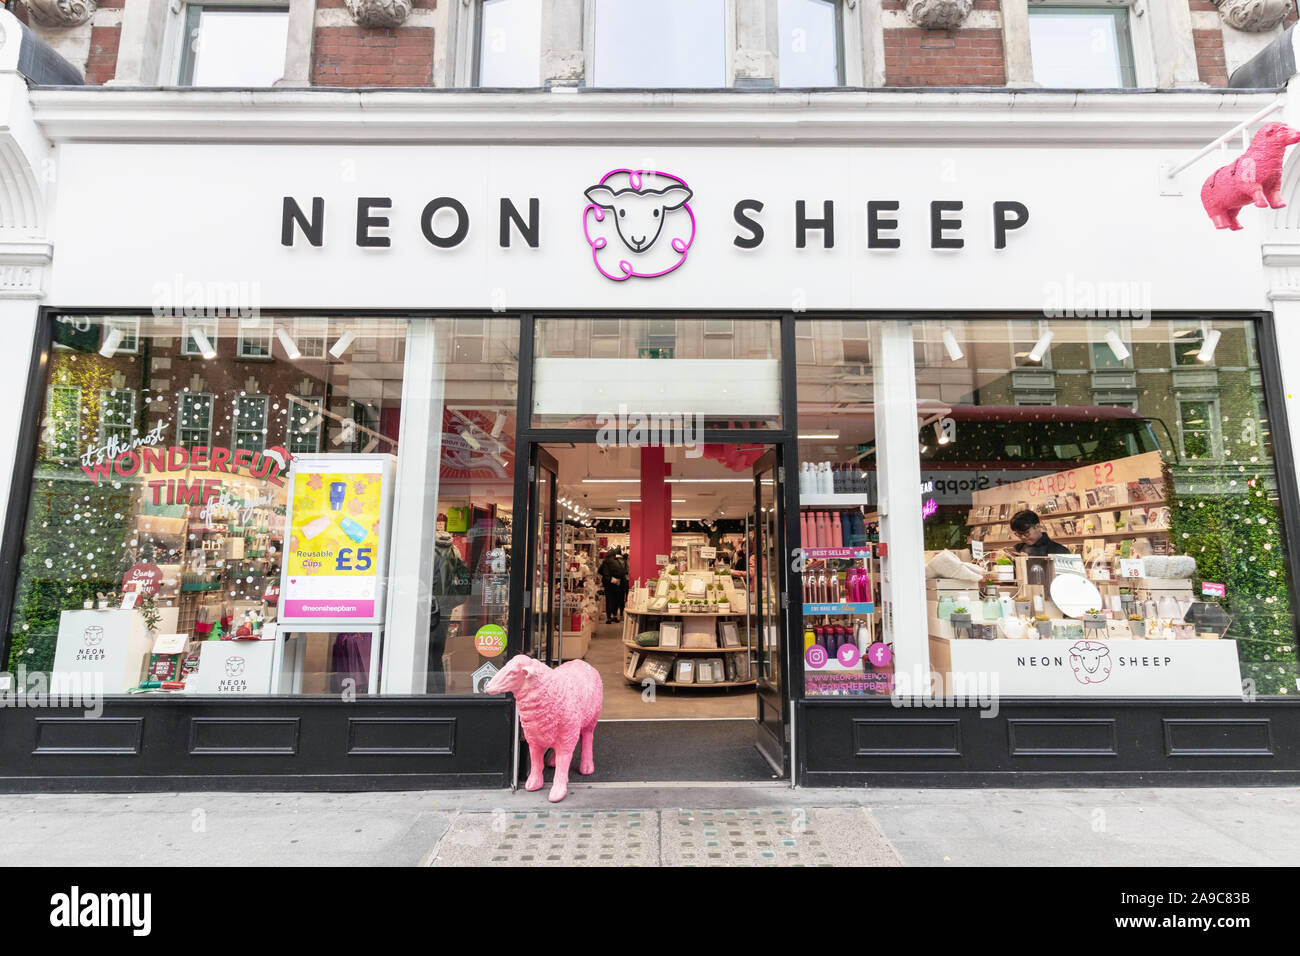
(1090, 661)
(630, 214)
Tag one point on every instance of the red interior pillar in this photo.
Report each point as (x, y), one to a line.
(651, 524)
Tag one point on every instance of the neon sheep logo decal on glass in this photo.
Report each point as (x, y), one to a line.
(1090, 661)
(638, 223)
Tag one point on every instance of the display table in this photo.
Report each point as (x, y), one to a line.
(1086, 668)
(636, 621)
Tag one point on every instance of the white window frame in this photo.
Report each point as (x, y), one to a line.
(1139, 27)
(104, 393)
(306, 328)
(175, 38)
(181, 428)
(129, 325)
(247, 335)
(236, 412)
(589, 43)
(207, 325)
(52, 437)
(1174, 343)
(293, 431)
(1214, 425)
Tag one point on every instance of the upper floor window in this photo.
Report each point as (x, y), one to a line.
(809, 52)
(509, 43)
(1081, 47)
(233, 45)
(659, 43)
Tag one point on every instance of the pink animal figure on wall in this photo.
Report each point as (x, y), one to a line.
(557, 709)
(1255, 176)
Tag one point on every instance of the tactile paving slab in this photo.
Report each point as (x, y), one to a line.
(767, 837)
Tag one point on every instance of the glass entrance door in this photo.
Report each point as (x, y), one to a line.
(543, 620)
(768, 577)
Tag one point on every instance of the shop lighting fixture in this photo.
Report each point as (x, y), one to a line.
(1116, 346)
(471, 440)
(1206, 354)
(343, 344)
(1040, 347)
(499, 424)
(111, 342)
(822, 435)
(940, 435)
(204, 346)
(500, 460)
(290, 346)
(950, 343)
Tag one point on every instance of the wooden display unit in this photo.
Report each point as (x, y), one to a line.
(1086, 509)
(632, 625)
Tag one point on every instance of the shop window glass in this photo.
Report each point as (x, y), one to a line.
(305, 424)
(510, 43)
(809, 43)
(659, 366)
(254, 340)
(311, 337)
(166, 483)
(1187, 342)
(660, 43)
(1157, 517)
(130, 329)
(1081, 47)
(233, 46)
(836, 473)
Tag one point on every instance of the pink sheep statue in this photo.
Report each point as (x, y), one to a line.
(556, 708)
(1255, 176)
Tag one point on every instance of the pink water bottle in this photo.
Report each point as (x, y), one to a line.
(823, 530)
(837, 532)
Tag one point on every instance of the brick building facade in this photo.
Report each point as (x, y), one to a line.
(890, 43)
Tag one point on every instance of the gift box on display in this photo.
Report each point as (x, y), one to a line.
(110, 646)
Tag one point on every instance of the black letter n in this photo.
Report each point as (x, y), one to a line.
(313, 229)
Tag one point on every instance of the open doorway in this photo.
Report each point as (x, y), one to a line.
(666, 572)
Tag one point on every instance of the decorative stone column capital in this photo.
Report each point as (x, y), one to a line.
(937, 14)
(379, 14)
(60, 13)
(1252, 16)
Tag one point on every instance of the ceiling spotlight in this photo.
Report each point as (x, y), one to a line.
(204, 346)
(950, 343)
(499, 424)
(343, 344)
(831, 435)
(111, 342)
(471, 440)
(1116, 346)
(290, 346)
(1040, 347)
(1206, 354)
(940, 435)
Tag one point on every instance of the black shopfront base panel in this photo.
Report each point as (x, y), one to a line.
(1050, 743)
(270, 744)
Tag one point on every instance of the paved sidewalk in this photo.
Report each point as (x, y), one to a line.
(662, 825)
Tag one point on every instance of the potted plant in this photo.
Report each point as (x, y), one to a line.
(1043, 625)
(1024, 607)
(1005, 568)
(1094, 620)
(1137, 625)
(960, 621)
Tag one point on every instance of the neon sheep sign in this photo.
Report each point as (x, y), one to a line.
(641, 207)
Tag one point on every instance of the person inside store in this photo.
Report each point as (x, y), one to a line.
(613, 578)
(451, 588)
(1033, 540)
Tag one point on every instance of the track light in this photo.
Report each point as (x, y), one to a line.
(343, 344)
(499, 424)
(111, 342)
(1040, 347)
(1116, 346)
(1206, 354)
(950, 343)
(290, 346)
(471, 440)
(204, 346)
(940, 435)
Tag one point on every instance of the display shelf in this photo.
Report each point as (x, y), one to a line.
(842, 608)
(685, 650)
(690, 613)
(1053, 515)
(834, 501)
(744, 683)
(1144, 532)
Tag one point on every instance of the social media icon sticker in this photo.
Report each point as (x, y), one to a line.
(880, 655)
(815, 656)
(848, 654)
